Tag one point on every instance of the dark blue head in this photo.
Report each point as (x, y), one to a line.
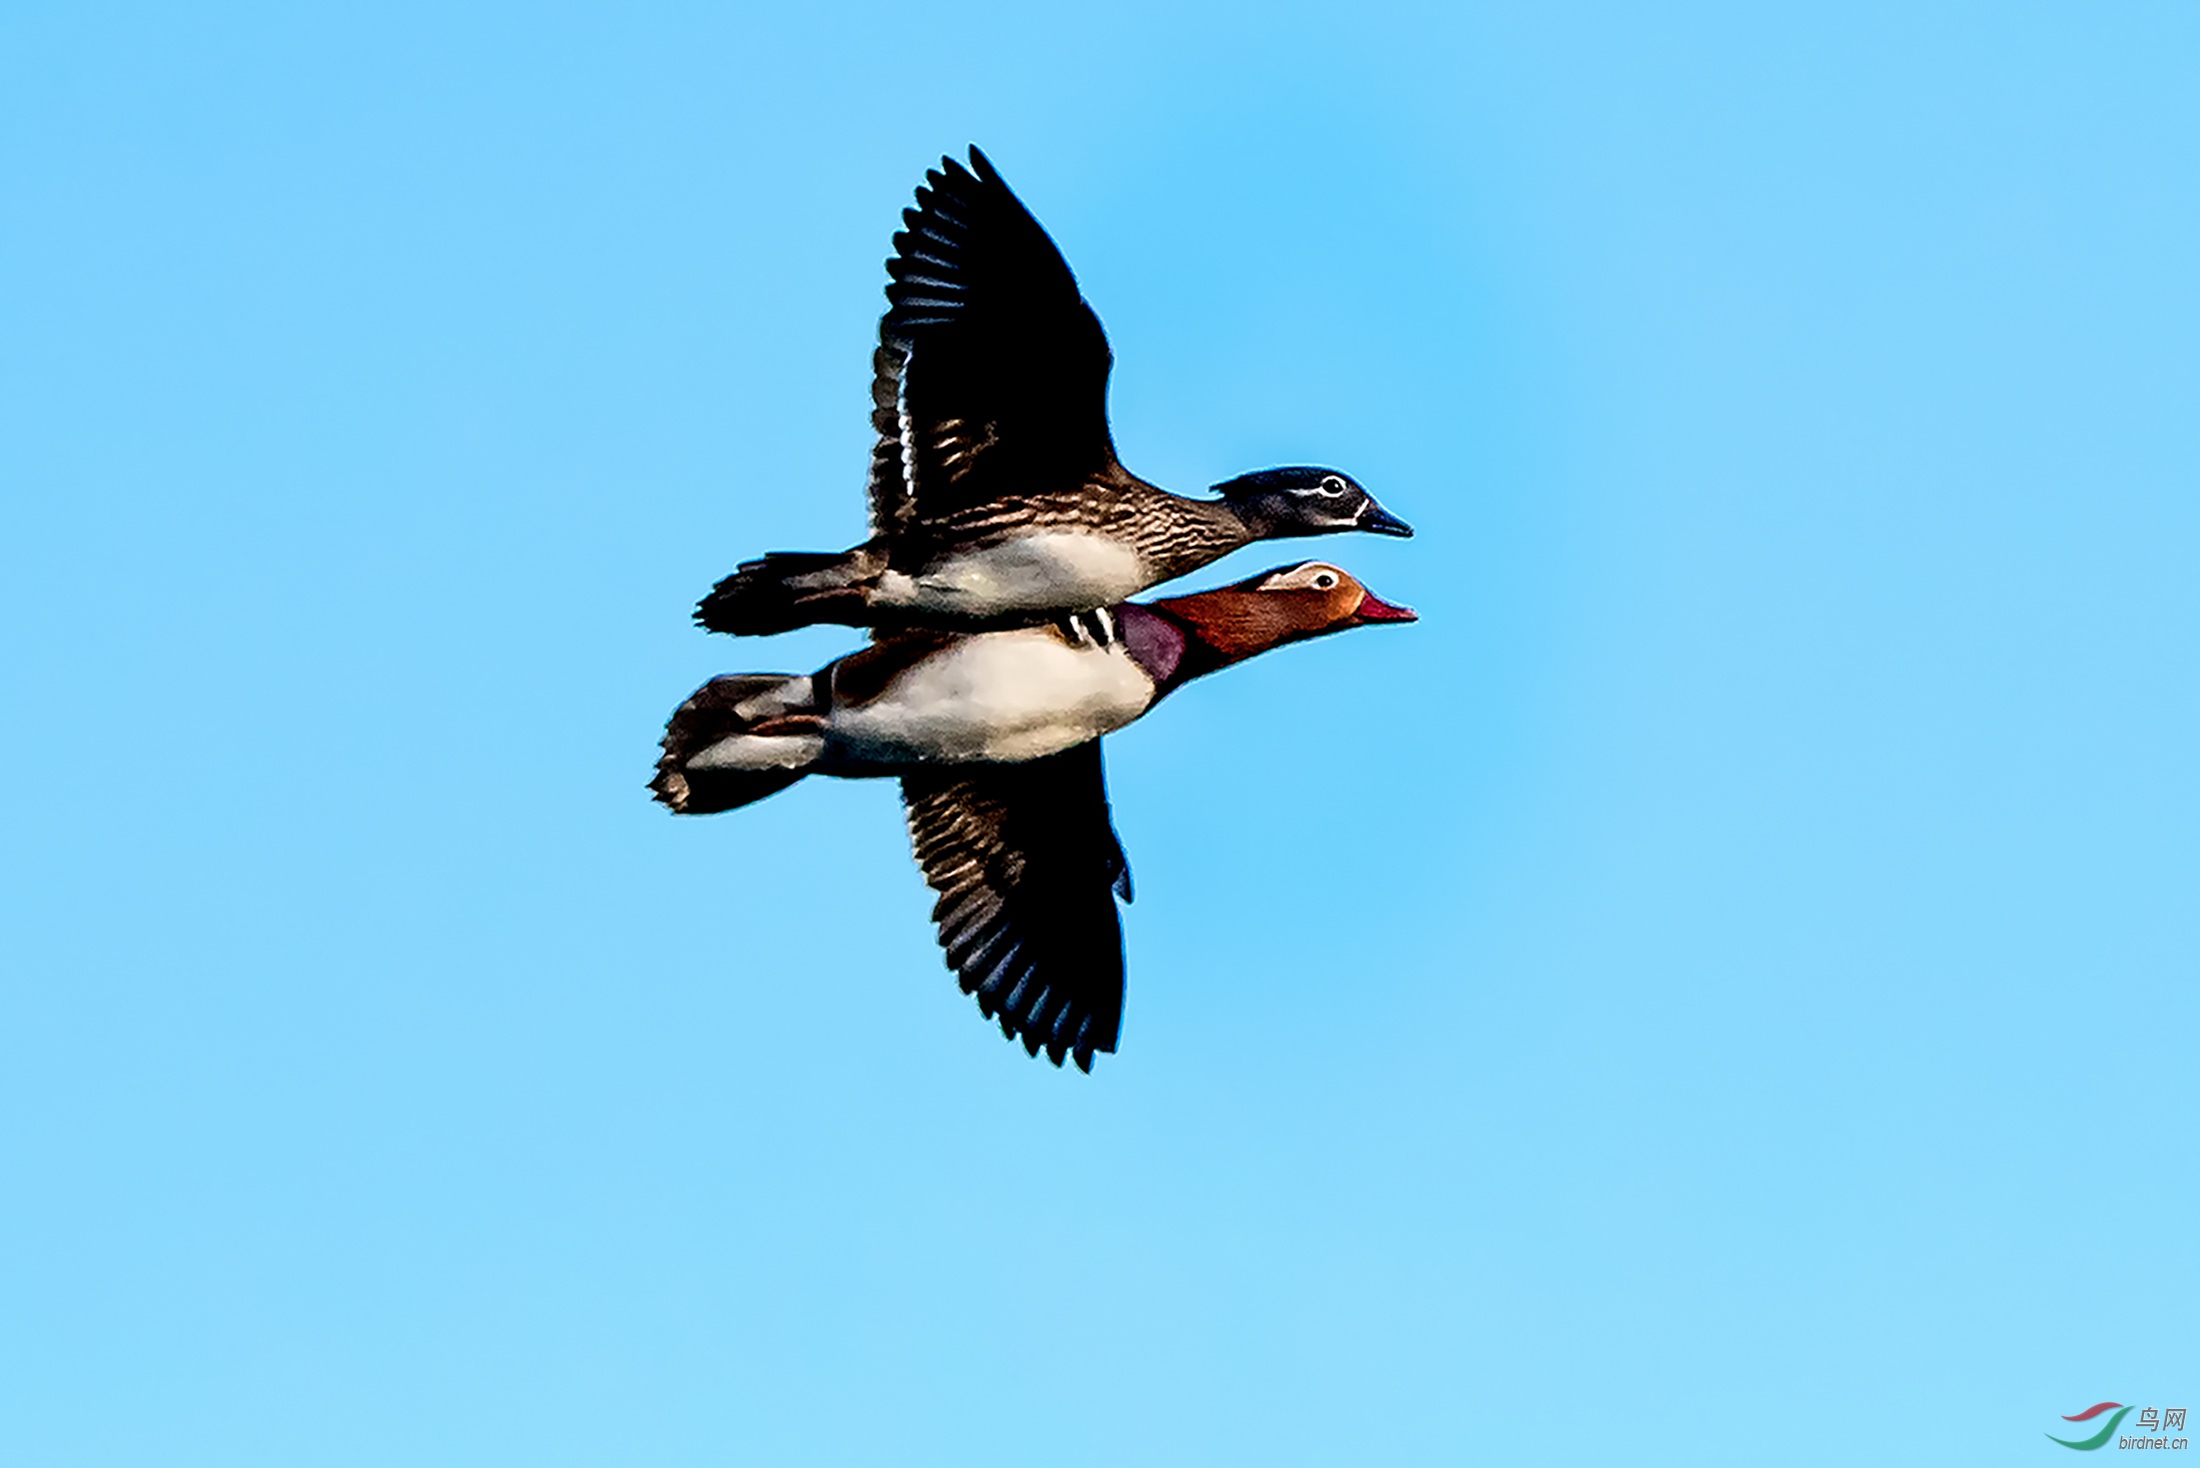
(1306, 500)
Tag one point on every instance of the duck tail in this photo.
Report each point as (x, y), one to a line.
(790, 589)
(739, 739)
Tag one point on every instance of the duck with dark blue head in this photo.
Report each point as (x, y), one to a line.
(996, 496)
(1305, 500)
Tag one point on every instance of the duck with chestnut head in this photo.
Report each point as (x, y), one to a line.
(996, 496)
(995, 738)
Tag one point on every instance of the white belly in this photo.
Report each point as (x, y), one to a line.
(1055, 570)
(1001, 696)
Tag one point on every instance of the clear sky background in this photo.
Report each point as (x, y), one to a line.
(1721, 988)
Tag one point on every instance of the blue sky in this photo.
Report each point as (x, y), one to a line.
(1720, 987)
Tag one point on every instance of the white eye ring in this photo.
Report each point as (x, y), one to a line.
(1325, 580)
(1331, 484)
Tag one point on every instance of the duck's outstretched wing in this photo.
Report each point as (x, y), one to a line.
(1028, 869)
(991, 375)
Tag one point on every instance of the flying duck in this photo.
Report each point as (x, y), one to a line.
(995, 737)
(996, 496)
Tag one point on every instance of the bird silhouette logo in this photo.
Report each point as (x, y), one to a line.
(2099, 1439)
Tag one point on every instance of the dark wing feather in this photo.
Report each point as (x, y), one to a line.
(1028, 868)
(892, 506)
(992, 373)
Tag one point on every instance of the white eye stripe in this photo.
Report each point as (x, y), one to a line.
(1305, 578)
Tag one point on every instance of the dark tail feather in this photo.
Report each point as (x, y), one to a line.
(739, 739)
(790, 589)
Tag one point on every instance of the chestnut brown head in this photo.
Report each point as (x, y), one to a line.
(1287, 604)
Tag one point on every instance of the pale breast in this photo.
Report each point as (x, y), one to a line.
(1049, 570)
(1000, 696)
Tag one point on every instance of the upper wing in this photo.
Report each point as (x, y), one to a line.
(991, 375)
(1028, 868)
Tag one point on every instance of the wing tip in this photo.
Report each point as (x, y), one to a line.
(669, 788)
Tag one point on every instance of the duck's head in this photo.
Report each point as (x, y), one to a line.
(1306, 500)
(1288, 604)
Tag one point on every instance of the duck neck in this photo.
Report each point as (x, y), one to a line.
(1186, 534)
(1223, 627)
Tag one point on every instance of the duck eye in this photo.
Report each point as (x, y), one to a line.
(1325, 580)
(1332, 485)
